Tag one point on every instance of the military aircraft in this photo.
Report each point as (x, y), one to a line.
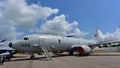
(2, 49)
(56, 44)
(5, 51)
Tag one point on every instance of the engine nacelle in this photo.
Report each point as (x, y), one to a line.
(84, 50)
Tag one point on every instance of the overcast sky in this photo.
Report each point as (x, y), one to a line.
(79, 17)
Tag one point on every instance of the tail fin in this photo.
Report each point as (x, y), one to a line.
(95, 38)
(3, 40)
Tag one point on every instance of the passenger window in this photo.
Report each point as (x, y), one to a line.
(26, 38)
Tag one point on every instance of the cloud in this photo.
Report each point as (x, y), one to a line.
(101, 36)
(58, 26)
(16, 14)
(80, 33)
(114, 36)
(7, 32)
(23, 15)
(109, 36)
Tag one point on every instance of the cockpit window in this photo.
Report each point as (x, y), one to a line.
(26, 38)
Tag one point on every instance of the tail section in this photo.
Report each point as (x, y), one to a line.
(95, 38)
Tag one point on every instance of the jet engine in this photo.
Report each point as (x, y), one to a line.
(84, 50)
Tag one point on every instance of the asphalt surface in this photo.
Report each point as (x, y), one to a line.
(97, 60)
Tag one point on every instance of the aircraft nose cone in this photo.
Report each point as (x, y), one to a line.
(10, 45)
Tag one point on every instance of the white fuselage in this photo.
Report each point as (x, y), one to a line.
(32, 43)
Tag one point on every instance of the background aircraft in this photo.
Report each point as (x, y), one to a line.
(5, 51)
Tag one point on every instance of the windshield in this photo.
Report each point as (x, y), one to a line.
(25, 38)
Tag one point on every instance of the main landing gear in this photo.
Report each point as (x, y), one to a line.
(32, 57)
(71, 52)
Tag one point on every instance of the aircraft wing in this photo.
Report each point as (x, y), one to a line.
(5, 47)
(102, 43)
(4, 54)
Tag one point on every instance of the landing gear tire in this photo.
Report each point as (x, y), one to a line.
(32, 57)
(70, 52)
(85, 54)
(57, 53)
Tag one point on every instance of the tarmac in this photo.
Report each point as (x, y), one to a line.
(96, 60)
